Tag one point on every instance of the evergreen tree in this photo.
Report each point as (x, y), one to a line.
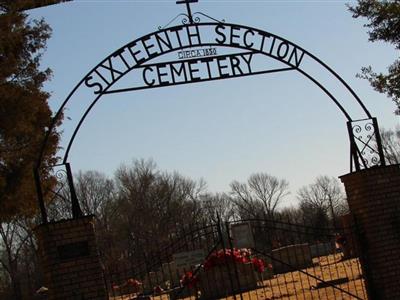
(25, 115)
(384, 25)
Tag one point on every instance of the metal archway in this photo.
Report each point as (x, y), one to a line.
(238, 45)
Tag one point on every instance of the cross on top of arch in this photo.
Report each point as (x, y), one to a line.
(189, 12)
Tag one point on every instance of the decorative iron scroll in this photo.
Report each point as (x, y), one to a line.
(185, 19)
(61, 177)
(64, 189)
(365, 141)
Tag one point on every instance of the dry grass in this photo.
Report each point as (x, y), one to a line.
(299, 286)
(345, 275)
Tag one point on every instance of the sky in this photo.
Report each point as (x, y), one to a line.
(225, 130)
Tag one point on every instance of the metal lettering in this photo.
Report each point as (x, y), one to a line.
(149, 83)
(248, 61)
(235, 62)
(148, 47)
(178, 72)
(207, 61)
(177, 30)
(285, 52)
(297, 59)
(195, 35)
(272, 45)
(101, 76)
(119, 54)
(197, 53)
(161, 75)
(135, 53)
(94, 84)
(111, 69)
(233, 36)
(222, 67)
(218, 30)
(167, 43)
(263, 40)
(193, 70)
(246, 43)
(181, 39)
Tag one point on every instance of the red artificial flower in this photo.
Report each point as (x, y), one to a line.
(258, 264)
(241, 256)
(223, 256)
(158, 290)
(133, 282)
(189, 280)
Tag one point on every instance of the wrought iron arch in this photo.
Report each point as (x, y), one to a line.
(365, 149)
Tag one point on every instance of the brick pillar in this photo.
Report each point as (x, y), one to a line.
(70, 260)
(374, 200)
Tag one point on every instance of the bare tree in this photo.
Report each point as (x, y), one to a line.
(17, 253)
(291, 214)
(391, 145)
(215, 206)
(95, 192)
(260, 195)
(152, 205)
(324, 196)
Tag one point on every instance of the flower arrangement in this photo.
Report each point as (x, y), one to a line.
(221, 258)
(239, 256)
(215, 278)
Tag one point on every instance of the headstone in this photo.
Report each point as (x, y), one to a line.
(242, 235)
(172, 271)
(290, 258)
(186, 261)
(222, 281)
(321, 249)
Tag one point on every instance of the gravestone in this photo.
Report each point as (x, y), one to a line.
(242, 235)
(322, 249)
(225, 280)
(186, 261)
(290, 258)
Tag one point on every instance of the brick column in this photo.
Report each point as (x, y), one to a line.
(70, 260)
(374, 200)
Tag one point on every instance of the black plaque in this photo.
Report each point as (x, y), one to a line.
(73, 250)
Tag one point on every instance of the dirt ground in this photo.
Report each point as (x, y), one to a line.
(311, 283)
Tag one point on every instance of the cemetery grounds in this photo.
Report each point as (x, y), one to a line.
(299, 285)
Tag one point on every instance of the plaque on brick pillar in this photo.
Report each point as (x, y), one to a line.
(70, 260)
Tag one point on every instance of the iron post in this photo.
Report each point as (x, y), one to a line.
(39, 192)
(76, 209)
